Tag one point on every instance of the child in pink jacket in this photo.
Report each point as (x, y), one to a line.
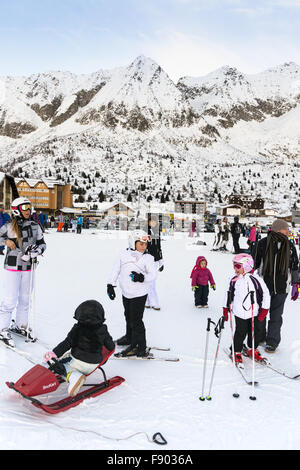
(201, 276)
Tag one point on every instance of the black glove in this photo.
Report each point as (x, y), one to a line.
(161, 268)
(111, 292)
(137, 277)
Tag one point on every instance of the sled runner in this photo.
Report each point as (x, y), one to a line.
(40, 380)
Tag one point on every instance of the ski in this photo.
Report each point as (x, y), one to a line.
(149, 358)
(241, 369)
(152, 347)
(265, 362)
(18, 351)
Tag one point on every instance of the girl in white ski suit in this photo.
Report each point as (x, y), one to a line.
(242, 288)
(135, 271)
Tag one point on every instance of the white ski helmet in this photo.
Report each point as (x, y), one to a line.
(21, 203)
(137, 235)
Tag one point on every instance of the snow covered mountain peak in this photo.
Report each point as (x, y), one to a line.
(134, 122)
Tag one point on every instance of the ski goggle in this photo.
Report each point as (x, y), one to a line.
(24, 207)
(144, 239)
(237, 265)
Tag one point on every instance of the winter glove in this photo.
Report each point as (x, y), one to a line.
(137, 277)
(295, 291)
(111, 292)
(33, 251)
(194, 288)
(161, 268)
(225, 313)
(262, 314)
(213, 286)
(49, 355)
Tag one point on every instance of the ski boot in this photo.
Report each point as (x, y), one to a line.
(22, 331)
(257, 355)
(123, 341)
(143, 353)
(238, 358)
(6, 338)
(128, 352)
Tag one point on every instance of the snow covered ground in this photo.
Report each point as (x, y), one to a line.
(156, 396)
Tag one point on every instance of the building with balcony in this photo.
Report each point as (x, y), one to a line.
(46, 195)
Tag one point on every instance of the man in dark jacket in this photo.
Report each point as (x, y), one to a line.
(236, 230)
(277, 262)
(154, 249)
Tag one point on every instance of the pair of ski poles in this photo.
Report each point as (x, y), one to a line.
(229, 300)
(218, 332)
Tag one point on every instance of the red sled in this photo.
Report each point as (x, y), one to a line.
(40, 381)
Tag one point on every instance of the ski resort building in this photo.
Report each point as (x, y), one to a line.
(45, 194)
(8, 190)
(190, 207)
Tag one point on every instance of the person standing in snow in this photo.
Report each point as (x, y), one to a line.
(236, 230)
(135, 269)
(24, 240)
(218, 235)
(225, 230)
(60, 219)
(253, 239)
(277, 262)
(201, 277)
(154, 249)
(79, 223)
(238, 299)
(87, 342)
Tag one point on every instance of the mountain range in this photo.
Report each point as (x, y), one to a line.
(134, 127)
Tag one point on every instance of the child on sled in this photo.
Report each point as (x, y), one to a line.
(85, 342)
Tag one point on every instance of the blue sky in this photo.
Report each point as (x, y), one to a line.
(186, 37)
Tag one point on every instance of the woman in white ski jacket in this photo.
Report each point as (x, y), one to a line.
(247, 295)
(135, 270)
(24, 240)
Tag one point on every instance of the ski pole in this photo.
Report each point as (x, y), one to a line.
(31, 312)
(252, 397)
(218, 333)
(235, 394)
(202, 398)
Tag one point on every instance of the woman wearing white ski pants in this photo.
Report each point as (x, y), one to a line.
(16, 294)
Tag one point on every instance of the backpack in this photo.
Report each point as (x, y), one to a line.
(257, 288)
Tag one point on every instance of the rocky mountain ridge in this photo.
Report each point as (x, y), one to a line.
(134, 123)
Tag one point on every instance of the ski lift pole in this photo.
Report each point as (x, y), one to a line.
(209, 321)
(218, 333)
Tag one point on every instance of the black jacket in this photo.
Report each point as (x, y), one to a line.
(277, 283)
(86, 342)
(236, 229)
(154, 247)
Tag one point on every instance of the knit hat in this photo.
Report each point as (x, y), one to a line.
(279, 224)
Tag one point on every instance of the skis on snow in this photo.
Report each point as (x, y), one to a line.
(241, 369)
(265, 362)
(149, 357)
